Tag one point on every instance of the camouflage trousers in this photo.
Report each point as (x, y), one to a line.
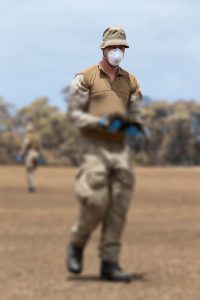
(31, 164)
(104, 186)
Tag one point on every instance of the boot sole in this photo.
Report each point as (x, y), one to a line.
(108, 278)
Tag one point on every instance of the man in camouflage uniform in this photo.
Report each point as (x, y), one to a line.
(102, 99)
(30, 151)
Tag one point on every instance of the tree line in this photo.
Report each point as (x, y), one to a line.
(173, 133)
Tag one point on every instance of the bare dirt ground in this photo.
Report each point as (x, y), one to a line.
(161, 243)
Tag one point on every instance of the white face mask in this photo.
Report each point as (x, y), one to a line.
(115, 56)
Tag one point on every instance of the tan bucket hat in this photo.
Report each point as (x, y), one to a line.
(114, 36)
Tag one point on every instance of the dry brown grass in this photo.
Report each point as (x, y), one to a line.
(161, 244)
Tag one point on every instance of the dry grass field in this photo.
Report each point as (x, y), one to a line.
(161, 243)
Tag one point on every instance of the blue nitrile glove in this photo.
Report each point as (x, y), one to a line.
(19, 159)
(115, 125)
(103, 121)
(41, 161)
(132, 131)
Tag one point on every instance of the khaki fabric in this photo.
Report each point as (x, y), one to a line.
(84, 97)
(107, 97)
(114, 36)
(31, 159)
(30, 150)
(105, 181)
(31, 164)
(104, 187)
(32, 141)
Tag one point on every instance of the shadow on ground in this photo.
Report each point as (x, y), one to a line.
(90, 278)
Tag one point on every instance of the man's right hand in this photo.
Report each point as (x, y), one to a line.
(112, 125)
(103, 122)
(115, 125)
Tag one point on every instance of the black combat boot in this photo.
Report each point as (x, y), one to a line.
(111, 271)
(74, 259)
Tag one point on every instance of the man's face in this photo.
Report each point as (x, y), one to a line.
(114, 54)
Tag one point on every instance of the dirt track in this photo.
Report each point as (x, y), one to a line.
(161, 243)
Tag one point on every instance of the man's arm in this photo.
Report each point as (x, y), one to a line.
(78, 101)
(25, 146)
(135, 104)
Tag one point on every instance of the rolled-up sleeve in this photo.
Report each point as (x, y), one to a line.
(78, 102)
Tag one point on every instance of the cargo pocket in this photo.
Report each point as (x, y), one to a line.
(82, 188)
(96, 180)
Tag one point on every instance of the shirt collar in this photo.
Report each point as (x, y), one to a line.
(120, 71)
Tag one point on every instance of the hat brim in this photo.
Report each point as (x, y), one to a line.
(114, 42)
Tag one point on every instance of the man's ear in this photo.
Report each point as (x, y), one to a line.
(105, 51)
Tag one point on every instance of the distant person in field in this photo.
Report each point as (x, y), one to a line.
(104, 103)
(30, 151)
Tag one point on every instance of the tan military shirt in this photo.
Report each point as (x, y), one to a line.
(79, 97)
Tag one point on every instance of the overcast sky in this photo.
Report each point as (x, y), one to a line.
(44, 43)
